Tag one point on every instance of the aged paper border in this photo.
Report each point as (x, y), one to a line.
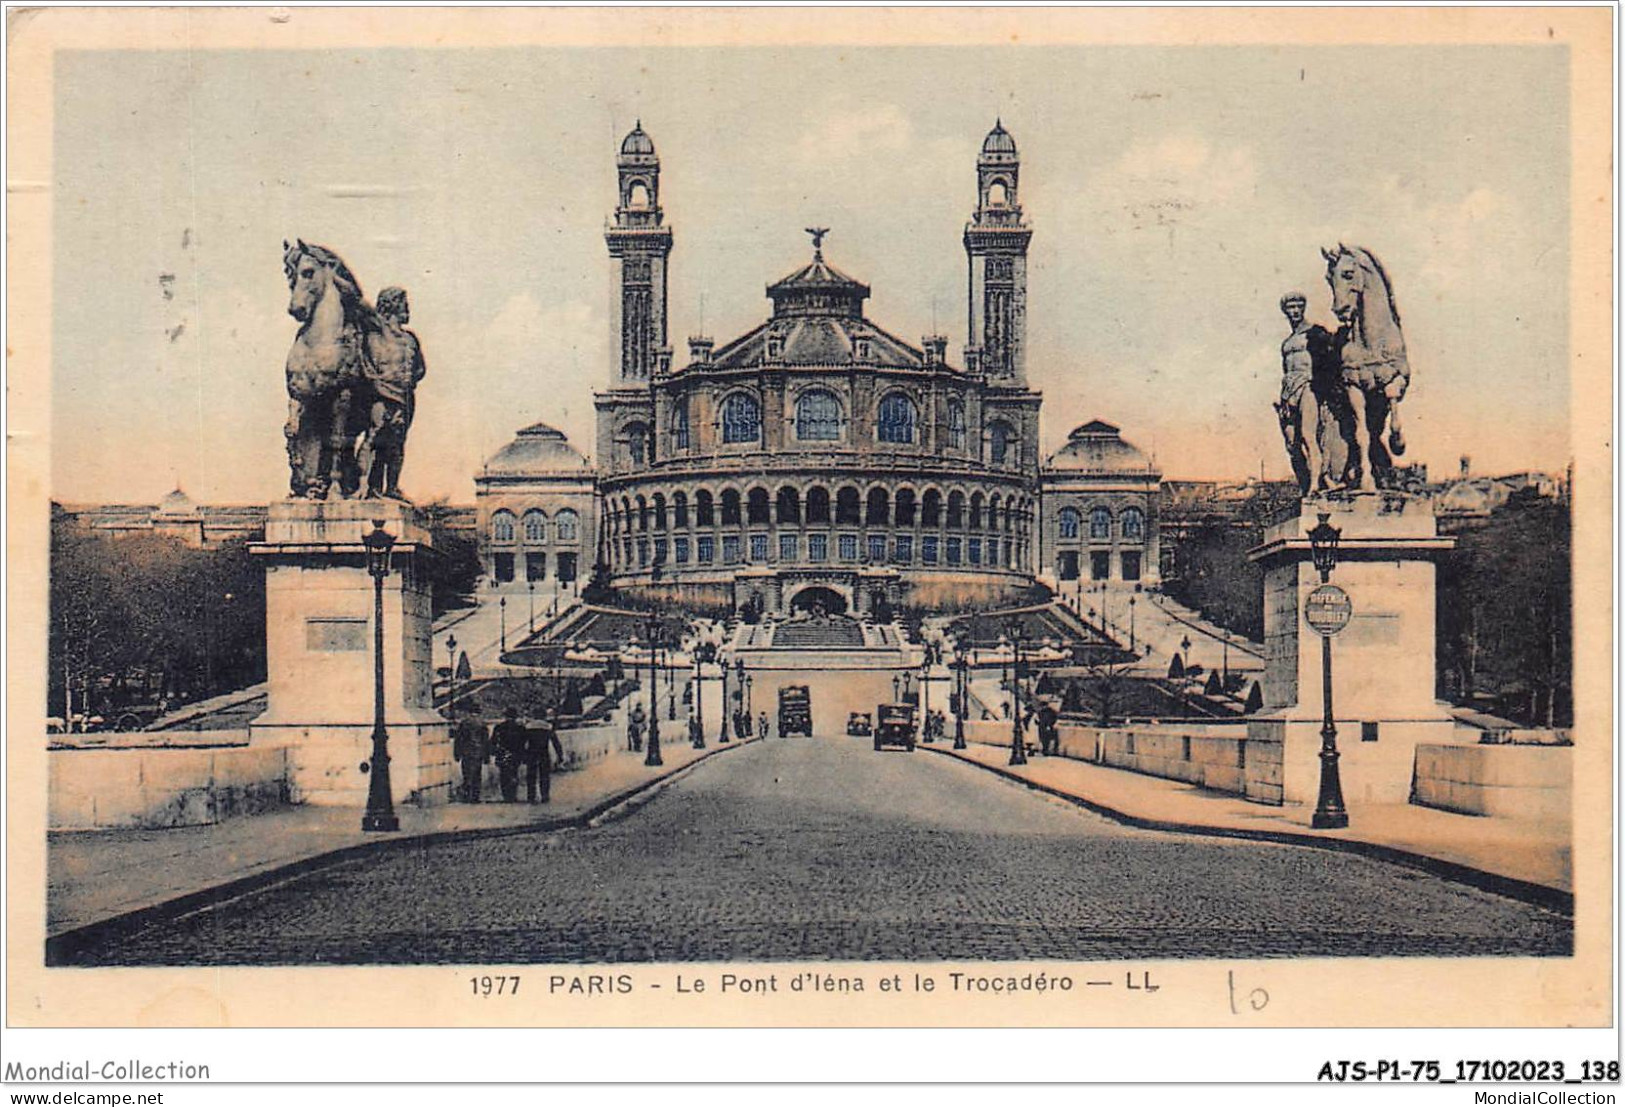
(1377, 992)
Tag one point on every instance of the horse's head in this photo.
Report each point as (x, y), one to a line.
(1346, 276)
(312, 272)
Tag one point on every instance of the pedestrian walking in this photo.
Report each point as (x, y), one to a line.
(1049, 732)
(761, 723)
(634, 728)
(512, 741)
(544, 743)
(471, 748)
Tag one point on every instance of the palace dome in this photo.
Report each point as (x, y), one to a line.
(637, 143)
(1099, 447)
(998, 141)
(177, 503)
(538, 450)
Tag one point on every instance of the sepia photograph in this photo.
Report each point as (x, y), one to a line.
(710, 501)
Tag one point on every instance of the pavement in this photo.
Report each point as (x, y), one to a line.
(1530, 860)
(99, 875)
(824, 849)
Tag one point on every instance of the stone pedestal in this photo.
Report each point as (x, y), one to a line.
(319, 652)
(1382, 662)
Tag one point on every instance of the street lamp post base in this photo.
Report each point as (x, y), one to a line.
(1329, 820)
(387, 823)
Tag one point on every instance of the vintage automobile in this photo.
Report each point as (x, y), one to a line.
(895, 726)
(795, 711)
(860, 724)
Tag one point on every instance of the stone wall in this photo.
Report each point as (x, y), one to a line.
(145, 787)
(1527, 782)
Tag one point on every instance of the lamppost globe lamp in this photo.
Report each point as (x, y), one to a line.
(380, 814)
(1018, 751)
(962, 669)
(1323, 541)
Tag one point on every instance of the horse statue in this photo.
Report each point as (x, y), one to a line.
(1375, 370)
(329, 394)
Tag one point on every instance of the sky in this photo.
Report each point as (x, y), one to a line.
(1175, 193)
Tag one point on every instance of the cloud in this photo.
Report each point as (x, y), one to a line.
(855, 132)
(1161, 182)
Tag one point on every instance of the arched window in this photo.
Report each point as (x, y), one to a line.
(818, 417)
(730, 507)
(993, 512)
(637, 443)
(679, 424)
(568, 525)
(741, 418)
(956, 509)
(502, 526)
(999, 437)
(679, 509)
(1071, 520)
(817, 504)
(956, 425)
(1133, 524)
(976, 511)
(879, 513)
(704, 511)
(905, 507)
(638, 196)
(535, 524)
(998, 195)
(756, 508)
(643, 513)
(847, 512)
(1100, 523)
(789, 505)
(896, 419)
(660, 511)
(931, 508)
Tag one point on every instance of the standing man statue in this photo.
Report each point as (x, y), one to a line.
(396, 366)
(1311, 408)
(1299, 407)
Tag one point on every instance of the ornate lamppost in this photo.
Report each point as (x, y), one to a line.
(1185, 652)
(698, 728)
(1131, 646)
(671, 684)
(925, 695)
(380, 802)
(451, 673)
(530, 589)
(653, 756)
(1018, 750)
(1004, 662)
(502, 604)
(722, 709)
(962, 668)
(1328, 612)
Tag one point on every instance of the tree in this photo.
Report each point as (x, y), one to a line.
(145, 617)
(1255, 700)
(1504, 622)
(1107, 685)
(1176, 668)
(1211, 688)
(454, 569)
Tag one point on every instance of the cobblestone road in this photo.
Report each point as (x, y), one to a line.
(823, 849)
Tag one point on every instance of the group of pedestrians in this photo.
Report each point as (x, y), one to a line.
(514, 746)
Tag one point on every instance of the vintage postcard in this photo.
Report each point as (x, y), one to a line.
(784, 518)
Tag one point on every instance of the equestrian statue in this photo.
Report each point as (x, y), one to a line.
(1375, 369)
(352, 374)
(1340, 390)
